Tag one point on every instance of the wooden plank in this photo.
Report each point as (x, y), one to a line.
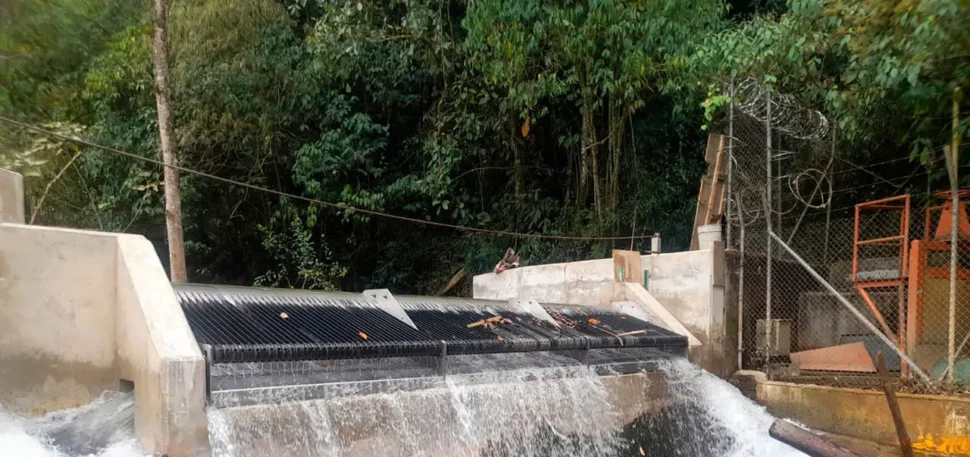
(710, 196)
(458, 276)
(905, 445)
(714, 142)
(627, 266)
(714, 173)
(851, 357)
(701, 212)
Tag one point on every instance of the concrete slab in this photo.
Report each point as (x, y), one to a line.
(11, 197)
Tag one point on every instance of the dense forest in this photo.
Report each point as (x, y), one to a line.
(558, 117)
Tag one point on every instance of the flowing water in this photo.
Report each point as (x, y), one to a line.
(103, 428)
(540, 412)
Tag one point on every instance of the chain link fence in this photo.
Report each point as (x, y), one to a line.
(837, 261)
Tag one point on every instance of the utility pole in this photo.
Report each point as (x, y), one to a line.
(173, 202)
(952, 156)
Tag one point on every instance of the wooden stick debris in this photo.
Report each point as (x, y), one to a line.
(489, 321)
(905, 445)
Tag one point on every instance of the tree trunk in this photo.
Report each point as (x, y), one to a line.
(516, 160)
(173, 204)
(590, 148)
(616, 132)
(583, 166)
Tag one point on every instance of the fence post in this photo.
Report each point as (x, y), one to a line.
(730, 238)
(828, 207)
(767, 205)
(741, 253)
(953, 165)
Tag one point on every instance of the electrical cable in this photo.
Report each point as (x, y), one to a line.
(317, 201)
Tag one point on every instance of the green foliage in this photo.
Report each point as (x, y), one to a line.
(296, 260)
(542, 116)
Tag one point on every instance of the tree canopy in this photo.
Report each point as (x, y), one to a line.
(558, 117)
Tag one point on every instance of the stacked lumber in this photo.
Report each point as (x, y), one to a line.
(711, 197)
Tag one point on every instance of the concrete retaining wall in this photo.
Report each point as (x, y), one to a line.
(692, 286)
(79, 311)
(57, 332)
(157, 350)
(935, 423)
(588, 283)
(689, 285)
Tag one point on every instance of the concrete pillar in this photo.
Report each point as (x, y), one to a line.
(11, 197)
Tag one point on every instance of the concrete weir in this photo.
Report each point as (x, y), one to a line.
(455, 418)
(84, 312)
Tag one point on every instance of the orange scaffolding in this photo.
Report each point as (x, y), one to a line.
(901, 243)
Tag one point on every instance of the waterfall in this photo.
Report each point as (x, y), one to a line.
(553, 410)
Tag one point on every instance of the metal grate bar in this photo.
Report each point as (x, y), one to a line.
(260, 325)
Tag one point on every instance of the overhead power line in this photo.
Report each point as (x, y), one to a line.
(317, 201)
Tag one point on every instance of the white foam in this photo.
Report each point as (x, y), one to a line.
(100, 429)
(736, 422)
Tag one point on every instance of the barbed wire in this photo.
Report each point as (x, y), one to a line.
(787, 115)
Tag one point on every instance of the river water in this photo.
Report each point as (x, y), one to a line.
(544, 412)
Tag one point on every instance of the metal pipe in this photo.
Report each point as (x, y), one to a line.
(884, 240)
(900, 289)
(768, 201)
(813, 444)
(730, 237)
(848, 305)
(778, 181)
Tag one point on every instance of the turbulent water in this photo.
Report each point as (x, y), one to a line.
(103, 428)
(545, 412)
(509, 412)
(710, 417)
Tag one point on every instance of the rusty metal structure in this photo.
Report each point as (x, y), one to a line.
(896, 280)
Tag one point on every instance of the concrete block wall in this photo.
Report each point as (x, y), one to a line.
(80, 311)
